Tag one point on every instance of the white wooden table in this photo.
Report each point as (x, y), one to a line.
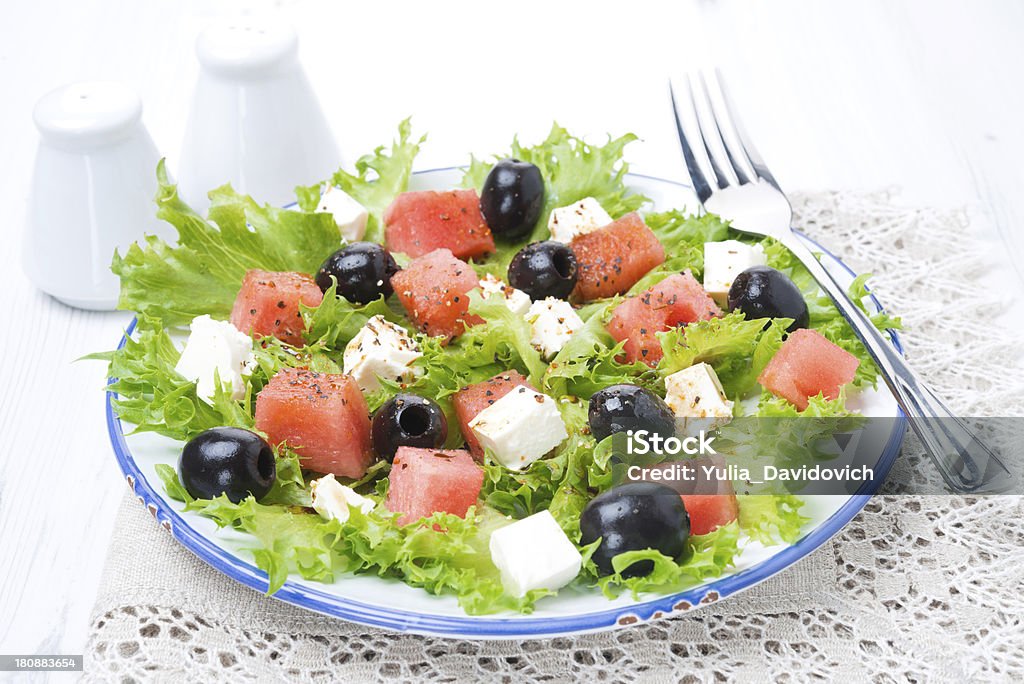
(925, 96)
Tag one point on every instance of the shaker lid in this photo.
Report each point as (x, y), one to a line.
(246, 47)
(87, 113)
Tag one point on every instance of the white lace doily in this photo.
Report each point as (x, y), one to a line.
(915, 588)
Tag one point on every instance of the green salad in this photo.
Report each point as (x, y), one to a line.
(435, 387)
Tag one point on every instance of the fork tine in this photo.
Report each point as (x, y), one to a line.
(722, 123)
(700, 181)
(746, 144)
(718, 154)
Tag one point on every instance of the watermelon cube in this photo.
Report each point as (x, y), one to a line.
(427, 481)
(323, 416)
(808, 364)
(676, 300)
(612, 259)
(268, 304)
(708, 512)
(471, 400)
(434, 289)
(420, 222)
(710, 501)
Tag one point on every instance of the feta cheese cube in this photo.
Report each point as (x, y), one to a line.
(520, 427)
(350, 215)
(725, 260)
(696, 396)
(381, 349)
(517, 301)
(580, 218)
(553, 322)
(216, 347)
(534, 553)
(332, 500)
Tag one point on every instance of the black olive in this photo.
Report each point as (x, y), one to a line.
(544, 269)
(512, 198)
(632, 517)
(619, 408)
(408, 420)
(229, 461)
(763, 292)
(363, 271)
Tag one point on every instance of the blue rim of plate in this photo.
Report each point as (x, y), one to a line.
(491, 627)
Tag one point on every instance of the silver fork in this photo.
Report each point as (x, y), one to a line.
(732, 180)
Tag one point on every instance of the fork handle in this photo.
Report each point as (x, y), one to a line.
(967, 465)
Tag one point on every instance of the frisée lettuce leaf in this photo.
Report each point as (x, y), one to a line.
(683, 236)
(336, 320)
(443, 554)
(154, 397)
(502, 327)
(738, 349)
(379, 177)
(572, 170)
(707, 555)
(587, 363)
(771, 518)
(203, 272)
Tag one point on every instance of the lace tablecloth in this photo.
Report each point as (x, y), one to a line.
(919, 588)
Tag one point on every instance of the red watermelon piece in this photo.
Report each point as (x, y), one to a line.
(434, 289)
(710, 501)
(708, 512)
(426, 481)
(470, 401)
(676, 300)
(420, 222)
(323, 416)
(268, 304)
(612, 259)
(808, 364)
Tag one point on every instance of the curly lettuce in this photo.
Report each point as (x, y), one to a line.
(443, 553)
(683, 236)
(203, 272)
(587, 363)
(707, 555)
(738, 349)
(379, 177)
(335, 321)
(771, 518)
(154, 397)
(572, 170)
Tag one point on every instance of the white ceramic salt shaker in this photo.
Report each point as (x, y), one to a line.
(92, 191)
(255, 121)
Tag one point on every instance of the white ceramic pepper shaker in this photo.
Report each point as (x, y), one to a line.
(92, 191)
(255, 121)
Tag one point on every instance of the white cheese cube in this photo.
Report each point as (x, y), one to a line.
(520, 427)
(725, 260)
(332, 500)
(580, 218)
(380, 349)
(350, 215)
(553, 322)
(696, 396)
(216, 347)
(534, 553)
(517, 301)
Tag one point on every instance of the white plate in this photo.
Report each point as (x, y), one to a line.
(389, 603)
